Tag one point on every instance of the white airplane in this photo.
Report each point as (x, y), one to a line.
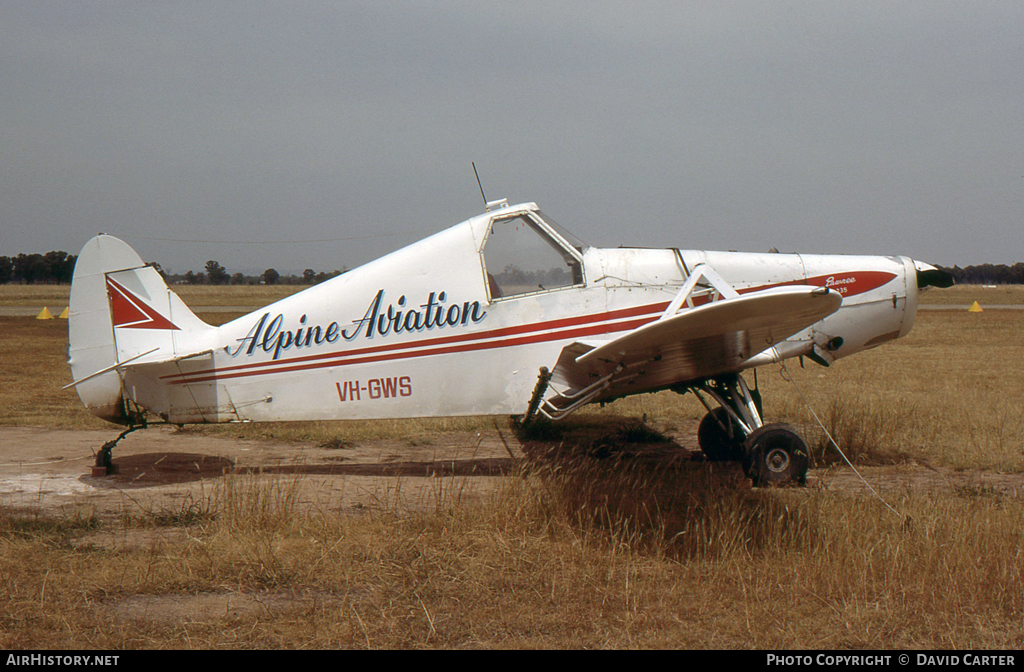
(504, 314)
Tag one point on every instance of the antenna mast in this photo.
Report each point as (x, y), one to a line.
(478, 184)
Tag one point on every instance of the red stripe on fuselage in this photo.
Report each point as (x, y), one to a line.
(347, 359)
(600, 323)
(428, 346)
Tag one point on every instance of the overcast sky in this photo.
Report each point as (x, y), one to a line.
(847, 127)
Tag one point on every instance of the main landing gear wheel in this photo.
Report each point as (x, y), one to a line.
(776, 455)
(718, 444)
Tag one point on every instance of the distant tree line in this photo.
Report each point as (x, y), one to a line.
(552, 277)
(215, 274)
(52, 268)
(57, 268)
(988, 274)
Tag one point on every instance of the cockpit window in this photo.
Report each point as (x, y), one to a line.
(563, 232)
(520, 258)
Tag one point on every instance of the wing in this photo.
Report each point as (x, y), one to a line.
(694, 344)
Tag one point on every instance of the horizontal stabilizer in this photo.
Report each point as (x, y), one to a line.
(140, 360)
(112, 367)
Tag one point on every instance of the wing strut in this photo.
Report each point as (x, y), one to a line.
(722, 289)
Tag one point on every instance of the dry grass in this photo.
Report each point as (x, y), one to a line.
(600, 549)
(235, 295)
(194, 295)
(260, 295)
(34, 368)
(35, 296)
(948, 394)
(542, 563)
(986, 295)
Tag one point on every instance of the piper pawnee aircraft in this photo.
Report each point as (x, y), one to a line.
(504, 314)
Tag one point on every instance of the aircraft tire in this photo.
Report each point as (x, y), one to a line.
(776, 455)
(716, 445)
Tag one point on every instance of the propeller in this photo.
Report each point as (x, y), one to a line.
(932, 277)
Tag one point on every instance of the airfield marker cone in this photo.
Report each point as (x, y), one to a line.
(975, 308)
(64, 313)
(45, 314)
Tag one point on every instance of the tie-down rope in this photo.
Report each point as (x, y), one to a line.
(789, 379)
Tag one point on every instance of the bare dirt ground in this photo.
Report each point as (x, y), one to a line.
(158, 468)
(49, 470)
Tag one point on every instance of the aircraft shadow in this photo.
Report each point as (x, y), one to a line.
(166, 468)
(662, 493)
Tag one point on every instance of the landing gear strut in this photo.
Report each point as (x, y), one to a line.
(772, 454)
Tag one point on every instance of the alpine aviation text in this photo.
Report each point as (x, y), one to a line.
(269, 335)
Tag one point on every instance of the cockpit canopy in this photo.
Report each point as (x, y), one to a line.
(525, 252)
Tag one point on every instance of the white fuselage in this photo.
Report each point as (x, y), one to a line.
(420, 332)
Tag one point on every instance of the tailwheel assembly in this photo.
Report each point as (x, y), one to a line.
(105, 457)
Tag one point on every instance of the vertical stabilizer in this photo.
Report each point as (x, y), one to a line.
(121, 310)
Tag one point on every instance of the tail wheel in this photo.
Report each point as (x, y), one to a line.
(717, 444)
(776, 455)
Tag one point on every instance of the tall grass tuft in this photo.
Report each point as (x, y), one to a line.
(865, 432)
(633, 486)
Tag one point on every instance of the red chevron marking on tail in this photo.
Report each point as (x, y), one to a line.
(130, 312)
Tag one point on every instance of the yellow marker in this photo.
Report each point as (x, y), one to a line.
(45, 314)
(975, 308)
(64, 314)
